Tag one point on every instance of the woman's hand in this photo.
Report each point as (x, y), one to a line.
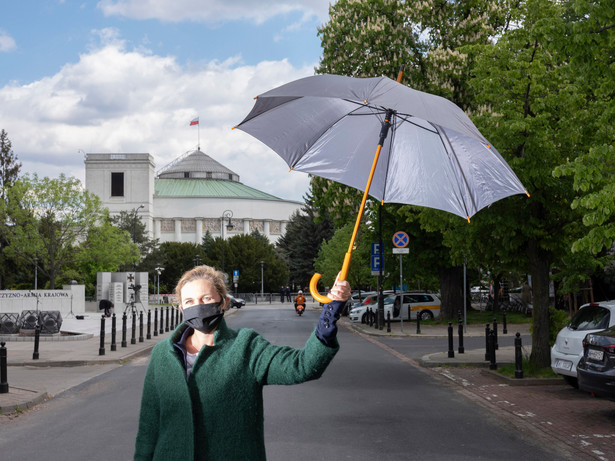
(340, 290)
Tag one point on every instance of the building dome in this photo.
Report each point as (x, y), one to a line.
(197, 165)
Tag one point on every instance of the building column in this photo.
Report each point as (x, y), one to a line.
(199, 231)
(266, 227)
(157, 228)
(246, 226)
(178, 230)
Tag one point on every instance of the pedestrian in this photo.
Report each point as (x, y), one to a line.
(203, 391)
(288, 293)
(281, 294)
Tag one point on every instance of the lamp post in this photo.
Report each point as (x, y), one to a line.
(262, 283)
(159, 270)
(229, 226)
(134, 231)
(35, 273)
(197, 260)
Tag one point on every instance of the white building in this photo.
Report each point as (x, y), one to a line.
(190, 196)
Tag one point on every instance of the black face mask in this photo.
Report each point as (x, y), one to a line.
(204, 317)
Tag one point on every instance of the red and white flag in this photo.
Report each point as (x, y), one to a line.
(194, 121)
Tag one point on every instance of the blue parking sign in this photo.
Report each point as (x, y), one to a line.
(375, 260)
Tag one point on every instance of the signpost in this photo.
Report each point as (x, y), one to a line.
(235, 279)
(401, 240)
(375, 259)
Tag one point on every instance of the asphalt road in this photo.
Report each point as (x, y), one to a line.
(369, 405)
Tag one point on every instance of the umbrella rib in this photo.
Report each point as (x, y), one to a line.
(443, 135)
(406, 118)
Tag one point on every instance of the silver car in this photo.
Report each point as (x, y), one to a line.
(568, 347)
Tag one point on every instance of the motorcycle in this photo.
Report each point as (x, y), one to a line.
(299, 309)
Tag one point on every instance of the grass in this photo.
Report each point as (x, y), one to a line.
(529, 371)
(484, 317)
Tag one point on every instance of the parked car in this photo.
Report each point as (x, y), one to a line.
(236, 302)
(404, 306)
(596, 369)
(568, 347)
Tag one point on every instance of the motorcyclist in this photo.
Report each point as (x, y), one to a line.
(299, 301)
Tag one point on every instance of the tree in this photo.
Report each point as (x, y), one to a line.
(301, 241)
(48, 218)
(129, 221)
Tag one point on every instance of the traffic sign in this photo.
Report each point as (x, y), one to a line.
(401, 239)
(375, 259)
(401, 251)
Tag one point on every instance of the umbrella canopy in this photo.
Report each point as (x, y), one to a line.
(434, 156)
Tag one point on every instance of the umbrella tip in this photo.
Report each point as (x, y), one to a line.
(233, 127)
(291, 169)
(527, 193)
(468, 218)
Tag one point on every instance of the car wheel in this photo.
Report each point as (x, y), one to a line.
(426, 315)
(572, 380)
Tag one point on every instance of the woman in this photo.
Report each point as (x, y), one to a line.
(202, 396)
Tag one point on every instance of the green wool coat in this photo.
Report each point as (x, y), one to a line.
(217, 414)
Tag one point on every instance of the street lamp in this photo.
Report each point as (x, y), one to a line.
(229, 226)
(134, 230)
(262, 284)
(35, 273)
(197, 260)
(159, 270)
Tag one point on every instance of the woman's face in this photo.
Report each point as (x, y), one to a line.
(200, 291)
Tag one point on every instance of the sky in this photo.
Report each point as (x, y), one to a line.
(128, 76)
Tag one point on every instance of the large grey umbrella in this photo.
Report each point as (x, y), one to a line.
(327, 125)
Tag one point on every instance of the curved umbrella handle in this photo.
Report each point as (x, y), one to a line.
(314, 290)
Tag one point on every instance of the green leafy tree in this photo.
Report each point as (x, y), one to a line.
(130, 222)
(301, 241)
(9, 173)
(48, 218)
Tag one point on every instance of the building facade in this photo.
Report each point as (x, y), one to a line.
(190, 196)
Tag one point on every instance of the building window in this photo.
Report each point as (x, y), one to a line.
(117, 184)
(186, 174)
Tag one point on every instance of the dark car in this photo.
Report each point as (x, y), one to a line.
(596, 369)
(236, 302)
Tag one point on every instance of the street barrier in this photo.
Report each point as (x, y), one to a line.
(495, 333)
(141, 338)
(492, 362)
(133, 337)
(113, 344)
(504, 329)
(124, 344)
(451, 352)
(518, 357)
(418, 323)
(487, 354)
(460, 332)
(37, 337)
(155, 321)
(101, 349)
(166, 324)
(4, 385)
(388, 322)
(149, 324)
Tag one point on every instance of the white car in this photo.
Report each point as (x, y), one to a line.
(568, 347)
(404, 306)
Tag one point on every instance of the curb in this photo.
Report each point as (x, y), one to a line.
(38, 397)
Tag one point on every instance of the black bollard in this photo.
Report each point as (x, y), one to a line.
(133, 338)
(155, 321)
(149, 324)
(124, 330)
(487, 330)
(172, 319)
(166, 325)
(101, 349)
(518, 357)
(161, 330)
(492, 363)
(141, 339)
(4, 385)
(113, 344)
(460, 330)
(451, 352)
(418, 323)
(495, 334)
(504, 329)
(37, 337)
(388, 322)
(370, 319)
